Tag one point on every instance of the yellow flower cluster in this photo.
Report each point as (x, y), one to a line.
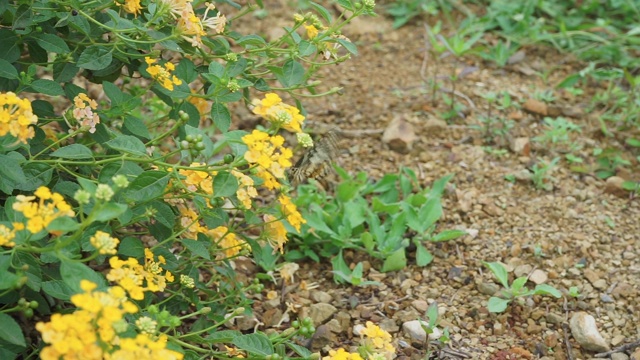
(275, 232)
(39, 214)
(104, 243)
(342, 354)
(162, 74)
(83, 111)
(92, 331)
(131, 276)
(246, 191)
(376, 343)
(269, 153)
(227, 241)
(198, 180)
(290, 212)
(189, 222)
(16, 116)
(7, 234)
(278, 113)
(189, 25)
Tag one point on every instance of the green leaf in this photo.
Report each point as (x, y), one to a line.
(197, 248)
(432, 314)
(148, 185)
(57, 289)
(341, 271)
(131, 247)
(396, 261)
(430, 212)
(367, 241)
(292, 74)
(108, 211)
(302, 351)
(423, 256)
(8, 279)
(7, 70)
(545, 289)
(73, 272)
(322, 11)
(36, 175)
(221, 116)
(500, 272)
(497, 305)
(518, 284)
(95, 58)
(438, 186)
(128, 144)
(252, 39)
(137, 127)
(52, 43)
(73, 151)
(258, 344)
(346, 4)
(306, 48)
(64, 224)
(316, 222)
(47, 87)
(11, 174)
(224, 184)
(348, 45)
(447, 235)
(10, 331)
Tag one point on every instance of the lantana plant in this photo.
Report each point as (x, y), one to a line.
(126, 188)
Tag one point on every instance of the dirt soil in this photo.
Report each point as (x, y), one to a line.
(582, 233)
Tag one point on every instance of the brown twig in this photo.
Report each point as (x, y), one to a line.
(625, 347)
(566, 329)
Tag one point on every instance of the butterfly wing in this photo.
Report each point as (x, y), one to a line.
(316, 162)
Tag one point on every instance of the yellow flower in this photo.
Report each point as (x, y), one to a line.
(40, 214)
(275, 232)
(104, 243)
(7, 234)
(278, 113)
(290, 212)
(162, 74)
(203, 106)
(377, 341)
(197, 179)
(131, 6)
(16, 116)
(228, 241)
(189, 221)
(269, 154)
(132, 276)
(342, 354)
(89, 332)
(246, 191)
(312, 31)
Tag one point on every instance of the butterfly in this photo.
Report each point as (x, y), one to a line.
(315, 163)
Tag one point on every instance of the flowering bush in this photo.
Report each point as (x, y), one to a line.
(120, 210)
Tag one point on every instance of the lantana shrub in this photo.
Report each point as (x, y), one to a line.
(125, 187)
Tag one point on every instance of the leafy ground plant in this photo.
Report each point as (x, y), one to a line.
(514, 291)
(380, 218)
(119, 214)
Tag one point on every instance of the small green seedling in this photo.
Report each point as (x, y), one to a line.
(574, 292)
(343, 274)
(516, 290)
(432, 326)
(541, 174)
